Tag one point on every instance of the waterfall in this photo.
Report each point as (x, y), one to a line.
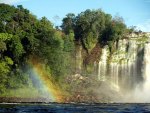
(114, 76)
(146, 86)
(123, 71)
(142, 93)
(146, 63)
(126, 69)
(102, 65)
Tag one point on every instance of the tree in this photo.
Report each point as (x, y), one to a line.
(114, 31)
(90, 26)
(4, 38)
(4, 71)
(68, 23)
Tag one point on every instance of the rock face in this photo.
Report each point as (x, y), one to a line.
(121, 70)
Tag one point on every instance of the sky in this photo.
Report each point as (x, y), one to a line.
(134, 12)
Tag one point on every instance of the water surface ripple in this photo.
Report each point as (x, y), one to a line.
(73, 108)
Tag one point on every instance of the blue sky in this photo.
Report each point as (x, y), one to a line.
(134, 12)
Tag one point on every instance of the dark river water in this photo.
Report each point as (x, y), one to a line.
(74, 108)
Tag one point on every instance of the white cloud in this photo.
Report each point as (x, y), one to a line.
(144, 26)
(10, 1)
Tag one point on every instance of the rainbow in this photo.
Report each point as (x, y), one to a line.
(54, 91)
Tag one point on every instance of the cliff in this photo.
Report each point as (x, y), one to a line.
(118, 72)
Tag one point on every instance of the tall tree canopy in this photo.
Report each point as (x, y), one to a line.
(93, 26)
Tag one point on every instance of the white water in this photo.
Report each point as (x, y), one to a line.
(102, 66)
(146, 87)
(121, 70)
(114, 76)
(142, 94)
(124, 71)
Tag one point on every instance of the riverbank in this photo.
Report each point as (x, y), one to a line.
(23, 100)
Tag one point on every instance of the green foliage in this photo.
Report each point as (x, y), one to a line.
(89, 41)
(114, 31)
(16, 47)
(22, 36)
(69, 45)
(94, 26)
(4, 71)
(68, 23)
(89, 27)
(22, 92)
(5, 36)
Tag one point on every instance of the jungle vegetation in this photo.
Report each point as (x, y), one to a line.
(23, 35)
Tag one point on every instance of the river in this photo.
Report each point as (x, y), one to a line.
(74, 108)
